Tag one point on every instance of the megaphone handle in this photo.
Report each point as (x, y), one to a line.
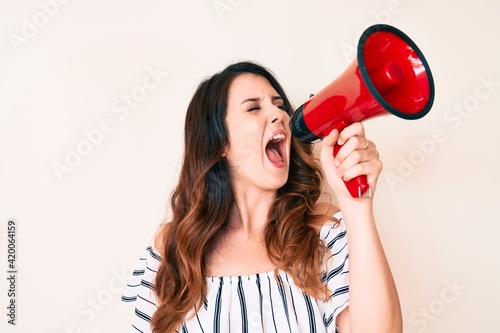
(356, 186)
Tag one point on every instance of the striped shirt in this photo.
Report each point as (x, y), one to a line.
(253, 303)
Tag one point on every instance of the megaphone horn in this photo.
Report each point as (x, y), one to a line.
(389, 76)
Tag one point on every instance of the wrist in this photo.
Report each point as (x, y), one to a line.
(356, 208)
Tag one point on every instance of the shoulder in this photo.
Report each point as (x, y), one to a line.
(141, 283)
(326, 210)
(160, 237)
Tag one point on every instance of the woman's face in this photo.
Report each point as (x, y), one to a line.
(259, 134)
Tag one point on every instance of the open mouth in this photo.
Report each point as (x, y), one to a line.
(275, 149)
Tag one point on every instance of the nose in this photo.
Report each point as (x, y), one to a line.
(277, 115)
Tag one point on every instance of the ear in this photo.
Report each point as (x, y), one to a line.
(225, 153)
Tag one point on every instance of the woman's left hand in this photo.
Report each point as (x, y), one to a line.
(357, 156)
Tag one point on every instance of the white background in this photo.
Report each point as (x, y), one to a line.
(66, 67)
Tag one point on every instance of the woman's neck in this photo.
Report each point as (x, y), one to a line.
(250, 212)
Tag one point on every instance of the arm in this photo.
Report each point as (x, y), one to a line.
(373, 299)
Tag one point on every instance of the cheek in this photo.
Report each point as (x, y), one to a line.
(248, 150)
(245, 137)
(245, 149)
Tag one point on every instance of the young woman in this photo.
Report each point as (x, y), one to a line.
(249, 248)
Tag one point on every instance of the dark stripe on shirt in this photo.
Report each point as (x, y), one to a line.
(310, 313)
(272, 306)
(260, 300)
(332, 242)
(138, 330)
(142, 315)
(146, 300)
(328, 276)
(243, 307)
(328, 321)
(129, 298)
(281, 289)
(218, 303)
(293, 301)
(148, 284)
(138, 272)
(198, 319)
(153, 254)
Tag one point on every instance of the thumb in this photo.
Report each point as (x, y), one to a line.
(328, 145)
(330, 140)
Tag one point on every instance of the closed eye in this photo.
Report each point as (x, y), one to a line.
(279, 102)
(254, 108)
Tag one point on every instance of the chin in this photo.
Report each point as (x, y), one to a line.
(279, 181)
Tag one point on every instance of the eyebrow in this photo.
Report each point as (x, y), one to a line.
(256, 99)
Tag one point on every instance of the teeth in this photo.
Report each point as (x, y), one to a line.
(278, 137)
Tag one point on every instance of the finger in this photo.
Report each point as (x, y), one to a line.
(353, 144)
(369, 169)
(356, 129)
(366, 144)
(357, 157)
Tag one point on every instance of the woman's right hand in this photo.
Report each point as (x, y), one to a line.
(357, 156)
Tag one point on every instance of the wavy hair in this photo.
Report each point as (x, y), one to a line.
(202, 200)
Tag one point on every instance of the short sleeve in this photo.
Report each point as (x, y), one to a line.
(140, 290)
(336, 270)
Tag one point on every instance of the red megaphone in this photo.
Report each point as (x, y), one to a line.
(389, 76)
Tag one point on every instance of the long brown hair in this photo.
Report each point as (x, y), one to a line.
(202, 200)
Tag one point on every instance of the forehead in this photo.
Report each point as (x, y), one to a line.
(249, 85)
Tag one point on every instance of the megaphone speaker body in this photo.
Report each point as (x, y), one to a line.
(389, 76)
